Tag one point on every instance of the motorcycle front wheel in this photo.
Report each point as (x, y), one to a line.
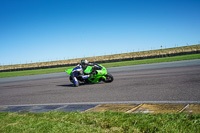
(109, 78)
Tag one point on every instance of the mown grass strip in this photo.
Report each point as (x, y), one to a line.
(113, 64)
(32, 72)
(90, 122)
(155, 60)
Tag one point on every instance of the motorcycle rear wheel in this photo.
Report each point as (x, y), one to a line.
(71, 79)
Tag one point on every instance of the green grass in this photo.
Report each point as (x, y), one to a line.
(113, 64)
(32, 72)
(155, 60)
(98, 122)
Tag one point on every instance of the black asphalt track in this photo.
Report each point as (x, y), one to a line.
(177, 82)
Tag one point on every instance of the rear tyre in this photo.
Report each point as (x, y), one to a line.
(71, 79)
(109, 78)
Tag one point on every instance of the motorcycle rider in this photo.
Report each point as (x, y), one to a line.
(83, 65)
(80, 68)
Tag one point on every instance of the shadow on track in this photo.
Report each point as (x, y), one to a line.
(70, 85)
(81, 84)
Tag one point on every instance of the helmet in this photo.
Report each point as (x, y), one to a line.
(84, 63)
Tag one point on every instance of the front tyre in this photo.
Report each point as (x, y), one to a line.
(109, 78)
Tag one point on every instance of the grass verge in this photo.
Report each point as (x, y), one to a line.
(100, 122)
(155, 60)
(113, 64)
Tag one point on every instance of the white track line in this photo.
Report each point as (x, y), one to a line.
(184, 108)
(111, 102)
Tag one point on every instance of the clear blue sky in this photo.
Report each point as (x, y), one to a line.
(45, 30)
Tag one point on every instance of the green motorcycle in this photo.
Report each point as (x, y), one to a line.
(77, 75)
